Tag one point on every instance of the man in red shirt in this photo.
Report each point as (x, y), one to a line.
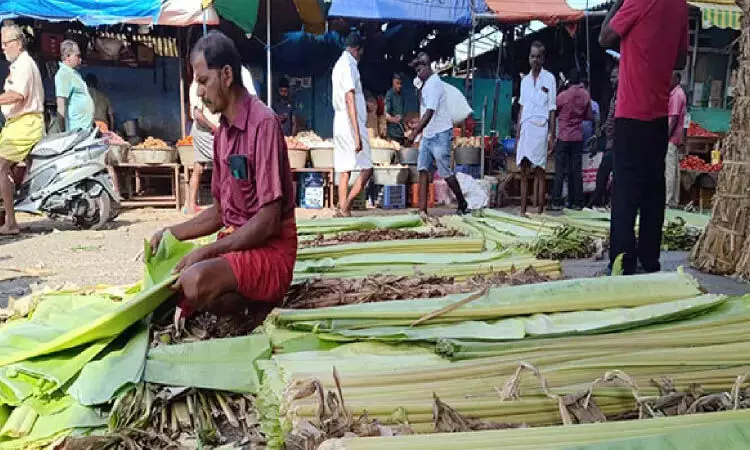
(653, 37)
(573, 107)
(251, 266)
(677, 112)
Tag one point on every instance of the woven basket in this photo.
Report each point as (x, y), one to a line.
(153, 155)
(187, 154)
(297, 158)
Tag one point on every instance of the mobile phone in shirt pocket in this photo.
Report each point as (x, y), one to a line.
(238, 167)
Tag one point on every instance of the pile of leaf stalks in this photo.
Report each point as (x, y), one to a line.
(378, 236)
(334, 420)
(166, 329)
(320, 293)
(158, 417)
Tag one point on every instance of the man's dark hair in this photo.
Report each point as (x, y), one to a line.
(283, 83)
(397, 76)
(219, 51)
(574, 77)
(539, 46)
(354, 40)
(92, 81)
(678, 75)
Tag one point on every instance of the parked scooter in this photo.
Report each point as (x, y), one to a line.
(67, 179)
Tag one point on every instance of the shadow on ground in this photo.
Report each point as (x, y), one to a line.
(670, 261)
(17, 287)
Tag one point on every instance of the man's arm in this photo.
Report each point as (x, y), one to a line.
(263, 226)
(389, 107)
(608, 37)
(351, 108)
(205, 223)
(294, 123)
(424, 121)
(61, 112)
(10, 98)
(201, 119)
(672, 125)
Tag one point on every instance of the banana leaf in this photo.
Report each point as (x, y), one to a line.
(159, 266)
(121, 364)
(43, 375)
(47, 429)
(222, 364)
(724, 436)
(437, 245)
(72, 320)
(337, 225)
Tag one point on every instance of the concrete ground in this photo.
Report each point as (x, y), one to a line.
(53, 254)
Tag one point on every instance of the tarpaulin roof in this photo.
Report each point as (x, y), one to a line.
(89, 12)
(720, 14)
(243, 13)
(444, 11)
(181, 13)
(551, 12)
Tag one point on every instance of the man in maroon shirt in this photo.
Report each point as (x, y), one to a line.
(573, 107)
(251, 265)
(653, 37)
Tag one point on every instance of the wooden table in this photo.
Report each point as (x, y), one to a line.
(329, 182)
(134, 184)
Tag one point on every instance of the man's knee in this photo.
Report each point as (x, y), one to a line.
(207, 280)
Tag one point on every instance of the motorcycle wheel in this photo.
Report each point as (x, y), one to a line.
(102, 213)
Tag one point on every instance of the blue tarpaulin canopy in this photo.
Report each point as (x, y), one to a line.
(442, 11)
(89, 12)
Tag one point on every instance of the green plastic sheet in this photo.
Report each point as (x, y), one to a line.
(122, 363)
(222, 364)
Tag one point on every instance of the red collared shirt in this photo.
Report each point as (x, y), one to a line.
(573, 107)
(256, 134)
(652, 33)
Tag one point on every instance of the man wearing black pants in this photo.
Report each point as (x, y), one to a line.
(653, 36)
(573, 107)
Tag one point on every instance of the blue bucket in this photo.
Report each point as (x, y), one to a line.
(509, 146)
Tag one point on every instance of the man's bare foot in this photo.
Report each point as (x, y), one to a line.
(424, 215)
(340, 213)
(522, 213)
(9, 230)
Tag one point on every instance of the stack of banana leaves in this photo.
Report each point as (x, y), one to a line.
(567, 352)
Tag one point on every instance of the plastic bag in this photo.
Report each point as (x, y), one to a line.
(475, 195)
(590, 165)
(458, 107)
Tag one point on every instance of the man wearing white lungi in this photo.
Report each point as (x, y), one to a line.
(351, 145)
(536, 131)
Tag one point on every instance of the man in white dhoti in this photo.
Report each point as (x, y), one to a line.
(536, 130)
(351, 145)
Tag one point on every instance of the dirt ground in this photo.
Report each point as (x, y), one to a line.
(57, 253)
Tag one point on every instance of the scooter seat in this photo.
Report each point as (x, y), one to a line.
(55, 144)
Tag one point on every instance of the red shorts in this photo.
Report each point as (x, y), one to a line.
(264, 274)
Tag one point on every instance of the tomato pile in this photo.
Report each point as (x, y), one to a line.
(696, 130)
(695, 163)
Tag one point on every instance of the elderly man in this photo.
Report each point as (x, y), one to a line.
(677, 113)
(351, 144)
(535, 134)
(75, 108)
(22, 104)
(653, 40)
(250, 267)
(284, 108)
(436, 127)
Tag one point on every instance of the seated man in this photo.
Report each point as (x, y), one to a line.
(251, 266)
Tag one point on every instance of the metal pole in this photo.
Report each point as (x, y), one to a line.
(692, 63)
(183, 115)
(484, 133)
(268, 52)
(588, 47)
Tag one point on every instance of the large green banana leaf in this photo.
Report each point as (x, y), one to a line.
(159, 266)
(47, 429)
(122, 363)
(43, 375)
(222, 364)
(337, 225)
(69, 321)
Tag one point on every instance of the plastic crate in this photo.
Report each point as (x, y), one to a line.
(392, 196)
(414, 196)
(473, 170)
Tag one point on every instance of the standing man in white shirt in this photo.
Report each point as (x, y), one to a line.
(535, 138)
(436, 127)
(351, 145)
